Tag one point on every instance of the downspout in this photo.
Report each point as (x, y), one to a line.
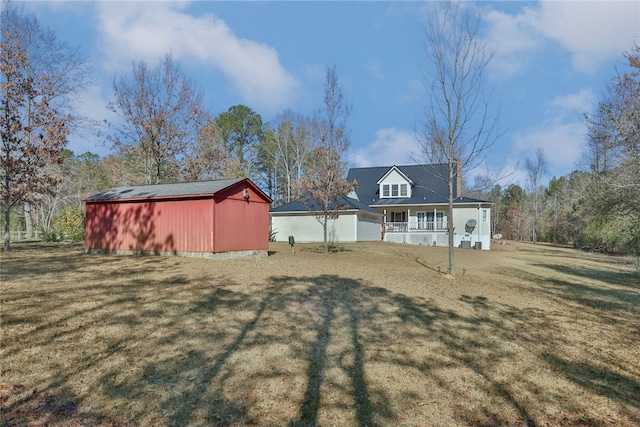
(479, 223)
(355, 226)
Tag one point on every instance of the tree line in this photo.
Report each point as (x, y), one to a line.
(598, 205)
(164, 134)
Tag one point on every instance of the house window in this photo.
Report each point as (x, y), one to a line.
(439, 220)
(395, 190)
(422, 220)
(485, 216)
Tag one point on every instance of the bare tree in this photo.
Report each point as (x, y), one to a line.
(536, 170)
(161, 111)
(323, 183)
(207, 156)
(458, 127)
(286, 153)
(40, 77)
(613, 145)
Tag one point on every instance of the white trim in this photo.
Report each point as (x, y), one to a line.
(355, 227)
(395, 168)
(398, 187)
(487, 205)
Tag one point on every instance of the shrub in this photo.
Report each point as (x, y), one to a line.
(68, 224)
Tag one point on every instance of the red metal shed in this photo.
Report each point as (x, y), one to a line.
(211, 219)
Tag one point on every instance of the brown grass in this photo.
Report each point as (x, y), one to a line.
(371, 334)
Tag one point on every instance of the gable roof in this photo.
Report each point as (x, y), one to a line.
(348, 204)
(429, 187)
(173, 190)
(392, 169)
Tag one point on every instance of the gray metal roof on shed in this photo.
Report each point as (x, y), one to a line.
(180, 189)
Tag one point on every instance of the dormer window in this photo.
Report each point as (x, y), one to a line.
(395, 190)
(394, 184)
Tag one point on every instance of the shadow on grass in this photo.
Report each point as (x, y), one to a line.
(332, 295)
(611, 293)
(602, 380)
(628, 279)
(37, 259)
(332, 249)
(211, 351)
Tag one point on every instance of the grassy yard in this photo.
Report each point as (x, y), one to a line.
(370, 334)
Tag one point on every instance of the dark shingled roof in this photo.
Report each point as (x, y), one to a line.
(346, 203)
(429, 188)
(181, 189)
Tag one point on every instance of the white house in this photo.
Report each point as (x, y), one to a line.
(357, 222)
(402, 204)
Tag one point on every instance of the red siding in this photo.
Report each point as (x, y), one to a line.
(166, 226)
(239, 223)
(226, 221)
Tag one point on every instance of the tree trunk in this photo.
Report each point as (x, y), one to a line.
(7, 238)
(324, 226)
(7, 208)
(27, 220)
(450, 229)
(454, 172)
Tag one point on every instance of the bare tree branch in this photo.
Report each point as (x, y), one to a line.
(458, 127)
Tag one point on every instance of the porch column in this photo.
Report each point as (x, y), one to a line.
(479, 222)
(384, 223)
(408, 219)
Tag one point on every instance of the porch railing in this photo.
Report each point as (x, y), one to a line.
(405, 227)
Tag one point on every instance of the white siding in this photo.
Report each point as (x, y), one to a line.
(348, 227)
(482, 231)
(306, 228)
(369, 227)
(394, 178)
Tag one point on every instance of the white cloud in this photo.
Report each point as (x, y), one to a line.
(591, 31)
(574, 104)
(561, 142)
(149, 30)
(561, 135)
(92, 105)
(391, 147)
(512, 38)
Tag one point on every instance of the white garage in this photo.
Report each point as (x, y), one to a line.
(356, 222)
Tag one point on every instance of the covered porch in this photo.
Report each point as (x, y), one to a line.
(427, 225)
(415, 225)
(415, 220)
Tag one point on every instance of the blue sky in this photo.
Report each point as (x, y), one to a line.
(553, 60)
